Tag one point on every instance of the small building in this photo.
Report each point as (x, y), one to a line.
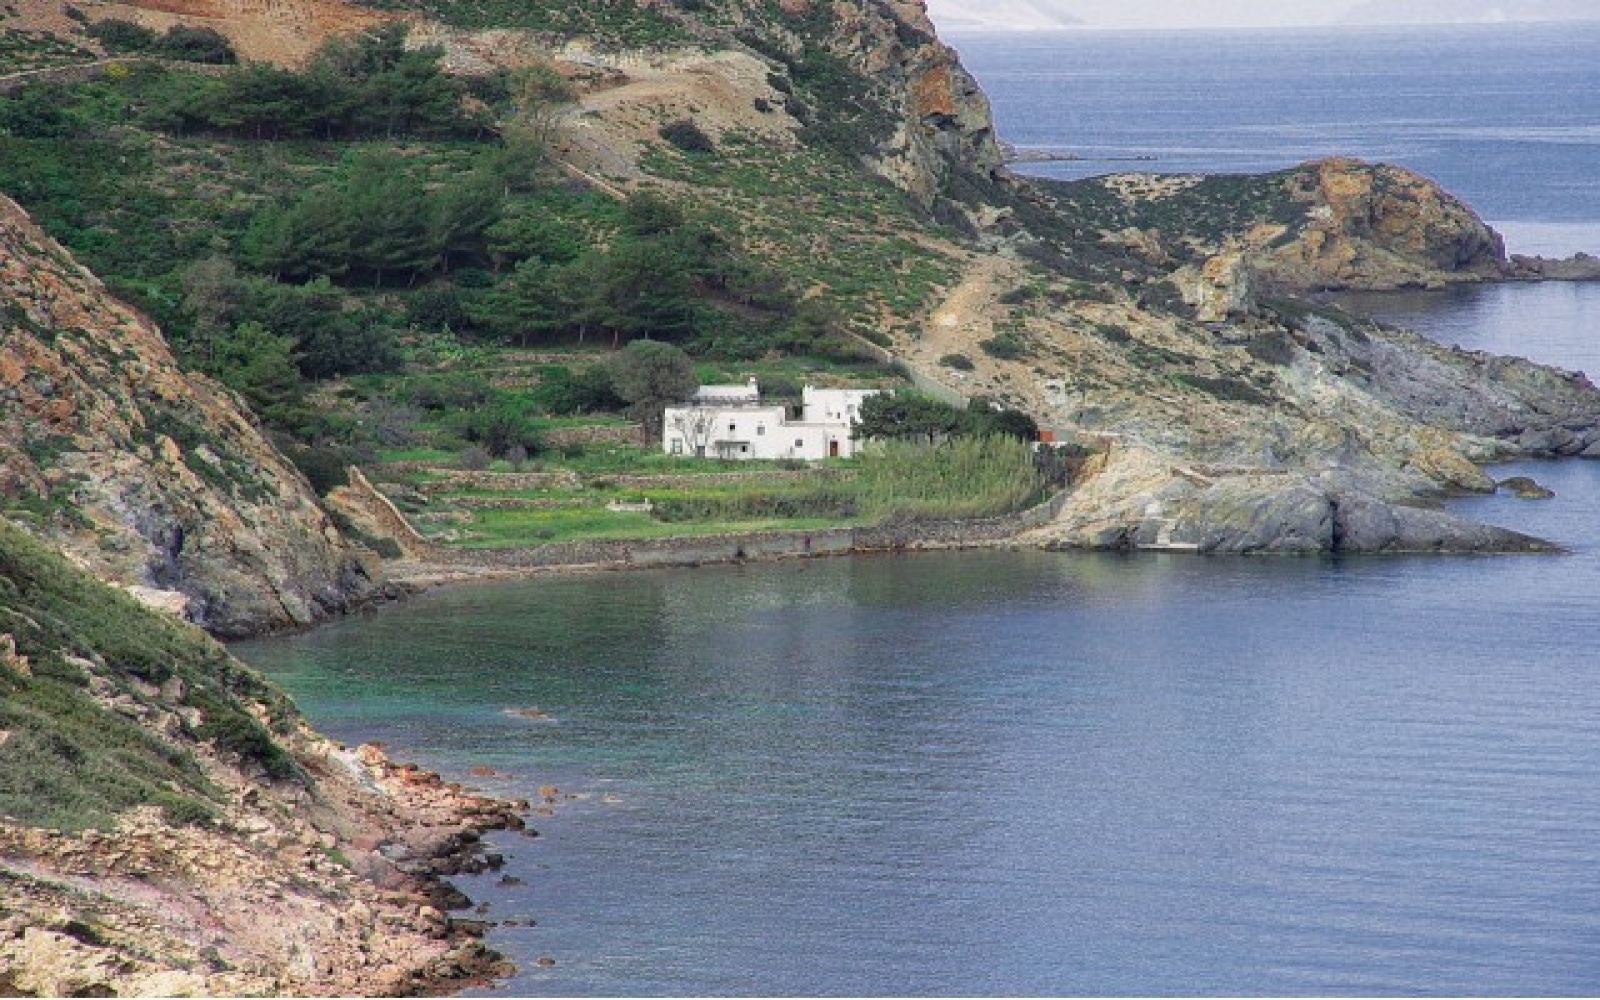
(731, 422)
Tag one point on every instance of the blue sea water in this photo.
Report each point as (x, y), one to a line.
(1056, 773)
(1505, 116)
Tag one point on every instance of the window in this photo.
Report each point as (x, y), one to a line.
(732, 427)
(799, 442)
(677, 446)
(761, 429)
(744, 449)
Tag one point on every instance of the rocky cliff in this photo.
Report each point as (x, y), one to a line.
(937, 121)
(1168, 328)
(155, 478)
(1331, 224)
(1379, 226)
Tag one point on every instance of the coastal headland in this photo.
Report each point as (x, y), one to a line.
(168, 823)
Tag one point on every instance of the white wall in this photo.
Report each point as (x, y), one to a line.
(746, 432)
(751, 432)
(823, 406)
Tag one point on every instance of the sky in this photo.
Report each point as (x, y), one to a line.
(1036, 14)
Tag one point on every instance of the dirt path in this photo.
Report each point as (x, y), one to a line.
(959, 323)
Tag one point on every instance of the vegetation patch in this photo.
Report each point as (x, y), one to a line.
(617, 23)
(970, 477)
(68, 760)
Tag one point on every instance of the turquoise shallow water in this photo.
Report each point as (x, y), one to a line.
(1032, 773)
(1022, 773)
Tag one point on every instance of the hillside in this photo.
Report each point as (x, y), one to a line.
(260, 242)
(758, 181)
(154, 477)
(171, 828)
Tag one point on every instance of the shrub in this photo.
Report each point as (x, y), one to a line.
(566, 391)
(200, 45)
(449, 391)
(118, 35)
(326, 468)
(500, 428)
(960, 362)
(232, 731)
(473, 458)
(1006, 347)
(687, 136)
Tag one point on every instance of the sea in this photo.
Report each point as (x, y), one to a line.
(1045, 774)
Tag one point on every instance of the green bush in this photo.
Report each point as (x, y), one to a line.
(1005, 346)
(960, 362)
(687, 136)
(233, 731)
(200, 45)
(499, 428)
(118, 35)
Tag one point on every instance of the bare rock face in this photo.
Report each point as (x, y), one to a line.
(150, 476)
(1337, 223)
(924, 117)
(947, 123)
(1140, 499)
(1380, 226)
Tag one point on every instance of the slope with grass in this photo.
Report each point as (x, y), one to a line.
(168, 826)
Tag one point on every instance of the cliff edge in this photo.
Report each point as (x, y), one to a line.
(155, 478)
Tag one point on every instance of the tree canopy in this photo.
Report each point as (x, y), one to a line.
(648, 375)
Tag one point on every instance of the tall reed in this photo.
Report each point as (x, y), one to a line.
(959, 478)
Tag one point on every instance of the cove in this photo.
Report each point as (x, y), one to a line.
(1033, 773)
(1022, 773)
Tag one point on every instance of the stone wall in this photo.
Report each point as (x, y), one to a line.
(373, 512)
(760, 545)
(560, 437)
(86, 72)
(453, 482)
(689, 480)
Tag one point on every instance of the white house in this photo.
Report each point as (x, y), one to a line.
(731, 422)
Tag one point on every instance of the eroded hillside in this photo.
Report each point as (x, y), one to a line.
(169, 827)
(155, 478)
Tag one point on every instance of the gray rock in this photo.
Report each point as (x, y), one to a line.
(1367, 524)
(1546, 441)
(1526, 488)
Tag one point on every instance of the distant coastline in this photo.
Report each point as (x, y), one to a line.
(1016, 154)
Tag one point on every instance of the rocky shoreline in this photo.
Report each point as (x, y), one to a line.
(333, 889)
(1578, 267)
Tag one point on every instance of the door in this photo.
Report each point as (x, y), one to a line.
(833, 449)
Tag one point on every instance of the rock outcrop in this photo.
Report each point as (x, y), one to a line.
(1261, 421)
(1140, 499)
(1380, 226)
(941, 121)
(1578, 267)
(152, 476)
(1337, 223)
(169, 827)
